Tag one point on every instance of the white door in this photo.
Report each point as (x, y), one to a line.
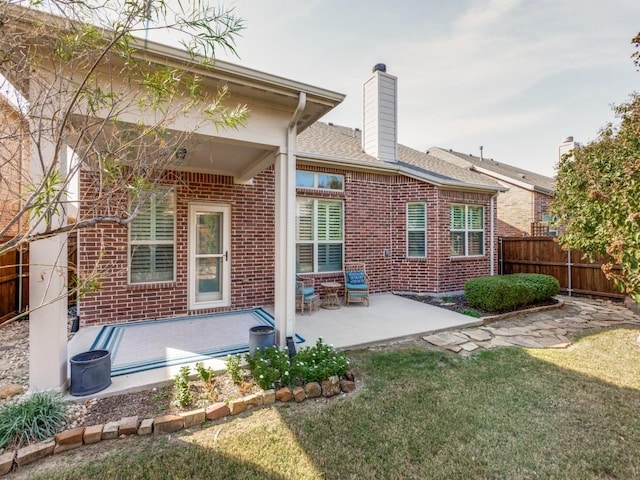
(209, 242)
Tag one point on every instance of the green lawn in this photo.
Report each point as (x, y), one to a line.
(508, 413)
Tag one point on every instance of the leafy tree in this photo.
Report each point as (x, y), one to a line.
(74, 76)
(598, 197)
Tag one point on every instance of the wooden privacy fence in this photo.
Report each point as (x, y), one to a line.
(545, 255)
(14, 270)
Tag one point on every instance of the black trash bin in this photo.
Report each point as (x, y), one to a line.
(90, 372)
(261, 337)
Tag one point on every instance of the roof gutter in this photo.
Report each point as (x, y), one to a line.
(398, 169)
(519, 183)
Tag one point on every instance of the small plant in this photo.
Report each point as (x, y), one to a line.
(234, 369)
(206, 373)
(183, 387)
(319, 362)
(471, 312)
(160, 397)
(268, 365)
(35, 418)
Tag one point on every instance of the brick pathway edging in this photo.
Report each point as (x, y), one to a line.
(503, 316)
(80, 436)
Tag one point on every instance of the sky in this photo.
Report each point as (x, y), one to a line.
(515, 76)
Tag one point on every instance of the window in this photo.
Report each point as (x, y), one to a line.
(319, 181)
(552, 222)
(416, 229)
(467, 230)
(319, 235)
(152, 240)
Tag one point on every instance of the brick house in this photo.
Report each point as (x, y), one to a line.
(14, 166)
(526, 203)
(394, 214)
(241, 212)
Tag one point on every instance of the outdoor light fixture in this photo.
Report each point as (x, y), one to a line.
(181, 153)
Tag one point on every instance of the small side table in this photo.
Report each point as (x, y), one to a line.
(331, 300)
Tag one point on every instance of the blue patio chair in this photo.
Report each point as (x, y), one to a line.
(306, 295)
(356, 282)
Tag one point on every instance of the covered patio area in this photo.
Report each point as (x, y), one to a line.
(389, 318)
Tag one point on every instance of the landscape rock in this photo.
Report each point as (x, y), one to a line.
(193, 418)
(110, 431)
(167, 424)
(284, 394)
(469, 347)
(253, 400)
(313, 389)
(146, 427)
(299, 395)
(128, 426)
(349, 375)
(478, 334)
(347, 386)
(217, 411)
(6, 462)
(237, 406)
(92, 434)
(68, 440)
(331, 386)
(35, 452)
(10, 390)
(269, 397)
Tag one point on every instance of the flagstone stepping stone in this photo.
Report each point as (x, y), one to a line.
(552, 342)
(559, 331)
(523, 341)
(453, 348)
(445, 338)
(478, 334)
(469, 347)
(500, 342)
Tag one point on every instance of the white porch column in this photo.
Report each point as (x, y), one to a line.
(285, 302)
(47, 290)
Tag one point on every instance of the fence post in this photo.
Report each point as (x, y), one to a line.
(501, 253)
(569, 286)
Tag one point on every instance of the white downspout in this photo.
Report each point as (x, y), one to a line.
(286, 293)
(492, 267)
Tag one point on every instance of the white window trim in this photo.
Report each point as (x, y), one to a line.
(468, 230)
(409, 229)
(315, 242)
(154, 242)
(225, 301)
(315, 181)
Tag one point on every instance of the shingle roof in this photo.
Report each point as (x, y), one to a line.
(488, 166)
(328, 140)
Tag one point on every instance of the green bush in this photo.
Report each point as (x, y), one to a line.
(183, 388)
(310, 364)
(319, 362)
(33, 419)
(509, 292)
(234, 369)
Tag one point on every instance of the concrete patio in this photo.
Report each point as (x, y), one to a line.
(389, 318)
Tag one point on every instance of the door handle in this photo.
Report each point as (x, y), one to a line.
(226, 256)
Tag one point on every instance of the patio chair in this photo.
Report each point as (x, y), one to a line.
(356, 282)
(306, 295)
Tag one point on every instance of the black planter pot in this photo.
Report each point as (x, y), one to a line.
(261, 337)
(90, 372)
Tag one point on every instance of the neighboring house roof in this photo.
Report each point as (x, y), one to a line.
(343, 145)
(502, 171)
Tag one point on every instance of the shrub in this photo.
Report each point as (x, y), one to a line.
(206, 373)
(269, 365)
(33, 419)
(319, 362)
(509, 292)
(182, 386)
(234, 369)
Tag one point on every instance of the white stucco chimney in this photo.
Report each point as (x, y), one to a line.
(566, 146)
(380, 123)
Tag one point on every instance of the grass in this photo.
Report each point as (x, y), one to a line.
(505, 413)
(32, 419)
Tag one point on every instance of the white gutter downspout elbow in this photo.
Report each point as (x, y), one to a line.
(288, 255)
(492, 267)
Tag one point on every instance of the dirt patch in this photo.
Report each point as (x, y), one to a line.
(459, 304)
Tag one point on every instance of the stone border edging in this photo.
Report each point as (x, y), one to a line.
(79, 436)
(503, 316)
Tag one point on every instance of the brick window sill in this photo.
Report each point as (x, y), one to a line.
(152, 286)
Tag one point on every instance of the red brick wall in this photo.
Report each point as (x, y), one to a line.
(515, 211)
(252, 257)
(375, 231)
